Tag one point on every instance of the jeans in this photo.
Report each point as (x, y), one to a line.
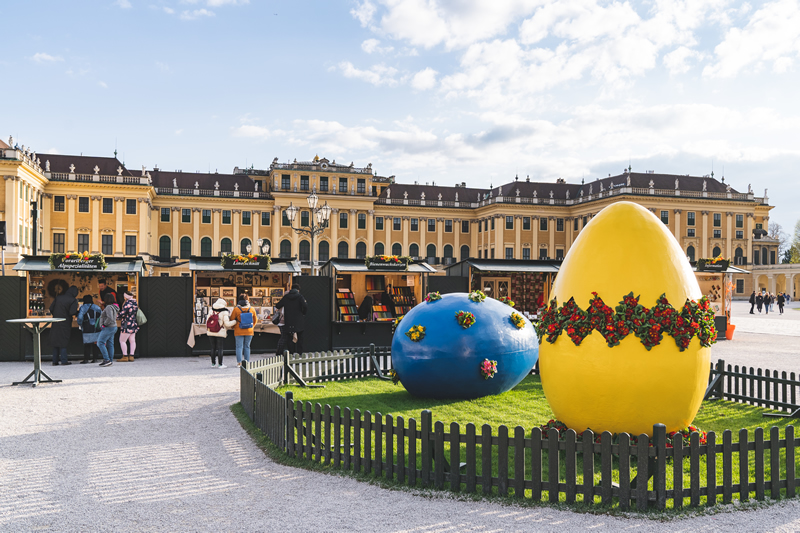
(62, 352)
(105, 342)
(90, 351)
(243, 348)
(216, 348)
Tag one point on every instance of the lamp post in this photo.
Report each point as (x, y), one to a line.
(317, 222)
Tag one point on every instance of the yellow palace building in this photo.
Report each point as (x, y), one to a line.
(57, 203)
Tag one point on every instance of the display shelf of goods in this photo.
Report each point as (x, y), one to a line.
(77, 261)
(246, 262)
(616, 379)
(446, 363)
(381, 313)
(374, 284)
(403, 300)
(346, 306)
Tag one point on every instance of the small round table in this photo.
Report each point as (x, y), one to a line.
(35, 326)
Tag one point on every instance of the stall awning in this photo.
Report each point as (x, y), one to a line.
(731, 270)
(358, 265)
(508, 265)
(212, 264)
(114, 265)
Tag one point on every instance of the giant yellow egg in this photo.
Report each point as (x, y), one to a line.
(624, 388)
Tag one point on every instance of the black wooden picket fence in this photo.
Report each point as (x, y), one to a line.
(597, 469)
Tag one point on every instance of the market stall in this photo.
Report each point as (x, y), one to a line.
(49, 276)
(715, 277)
(262, 279)
(526, 282)
(368, 294)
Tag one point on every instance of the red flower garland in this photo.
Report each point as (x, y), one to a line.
(649, 325)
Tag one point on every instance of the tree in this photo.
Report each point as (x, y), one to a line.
(776, 232)
(792, 254)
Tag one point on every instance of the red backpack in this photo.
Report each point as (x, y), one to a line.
(213, 323)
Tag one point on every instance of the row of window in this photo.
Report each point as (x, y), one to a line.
(107, 205)
(325, 184)
(716, 220)
(717, 233)
(106, 244)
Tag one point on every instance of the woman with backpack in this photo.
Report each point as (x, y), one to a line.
(245, 318)
(89, 324)
(218, 324)
(129, 326)
(108, 325)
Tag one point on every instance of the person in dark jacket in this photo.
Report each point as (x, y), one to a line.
(752, 302)
(767, 302)
(64, 306)
(781, 301)
(759, 301)
(108, 325)
(294, 308)
(87, 317)
(105, 289)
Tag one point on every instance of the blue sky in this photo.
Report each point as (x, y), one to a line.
(427, 90)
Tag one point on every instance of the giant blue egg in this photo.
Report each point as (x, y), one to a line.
(446, 362)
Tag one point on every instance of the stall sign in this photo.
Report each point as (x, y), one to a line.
(246, 262)
(394, 262)
(713, 265)
(77, 261)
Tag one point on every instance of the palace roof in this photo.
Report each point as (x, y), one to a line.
(186, 180)
(84, 164)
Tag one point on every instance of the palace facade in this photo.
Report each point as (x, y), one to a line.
(57, 203)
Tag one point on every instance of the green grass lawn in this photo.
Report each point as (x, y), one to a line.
(524, 406)
(527, 406)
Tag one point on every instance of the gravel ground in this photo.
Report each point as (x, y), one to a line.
(153, 446)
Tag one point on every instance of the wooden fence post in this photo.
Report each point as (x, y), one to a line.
(660, 474)
(425, 436)
(289, 423)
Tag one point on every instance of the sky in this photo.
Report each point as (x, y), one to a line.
(443, 91)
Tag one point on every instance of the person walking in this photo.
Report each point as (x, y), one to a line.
(767, 301)
(752, 302)
(64, 306)
(108, 325)
(128, 326)
(246, 319)
(759, 301)
(294, 308)
(217, 325)
(87, 322)
(781, 302)
(772, 299)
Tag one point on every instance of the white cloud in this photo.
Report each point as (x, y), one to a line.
(219, 3)
(169, 10)
(678, 61)
(178, 132)
(364, 12)
(102, 84)
(163, 67)
(376, 75)
(252, 131)
(123, 4)
(41, 57)
(771, 36)
(371, 46)
(196, 14)
(424, 79)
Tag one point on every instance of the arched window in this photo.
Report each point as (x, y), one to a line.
(397, 249)
(430, 252)
(448, 251)
(716, 251)
(286, 249)
(205, 247)
(738, 256)
(243, 246)
(464, 252)
(413, 250)
(379, 250)
(305, 251)
(186, 247)
(225, 246)
(324, 251)
(764, 257)
(690, 252)
(361, 250)
(165, 248)
(343, 250)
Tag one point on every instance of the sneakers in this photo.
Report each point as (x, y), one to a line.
(238, 365)
(222, 366)
(214, 365)
(106, 363)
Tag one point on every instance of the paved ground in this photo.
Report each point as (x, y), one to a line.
(152, 446)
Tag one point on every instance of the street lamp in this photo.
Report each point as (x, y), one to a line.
(316, 222)
(263, 246)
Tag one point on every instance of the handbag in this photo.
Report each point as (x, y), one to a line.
(140, 318)
(276, 317)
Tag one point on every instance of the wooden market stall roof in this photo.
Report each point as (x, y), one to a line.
(212, 264)
(358, 265)
(731, 270)
(115, 265)
(503, 265)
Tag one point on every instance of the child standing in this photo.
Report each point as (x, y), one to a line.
(218, 324)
